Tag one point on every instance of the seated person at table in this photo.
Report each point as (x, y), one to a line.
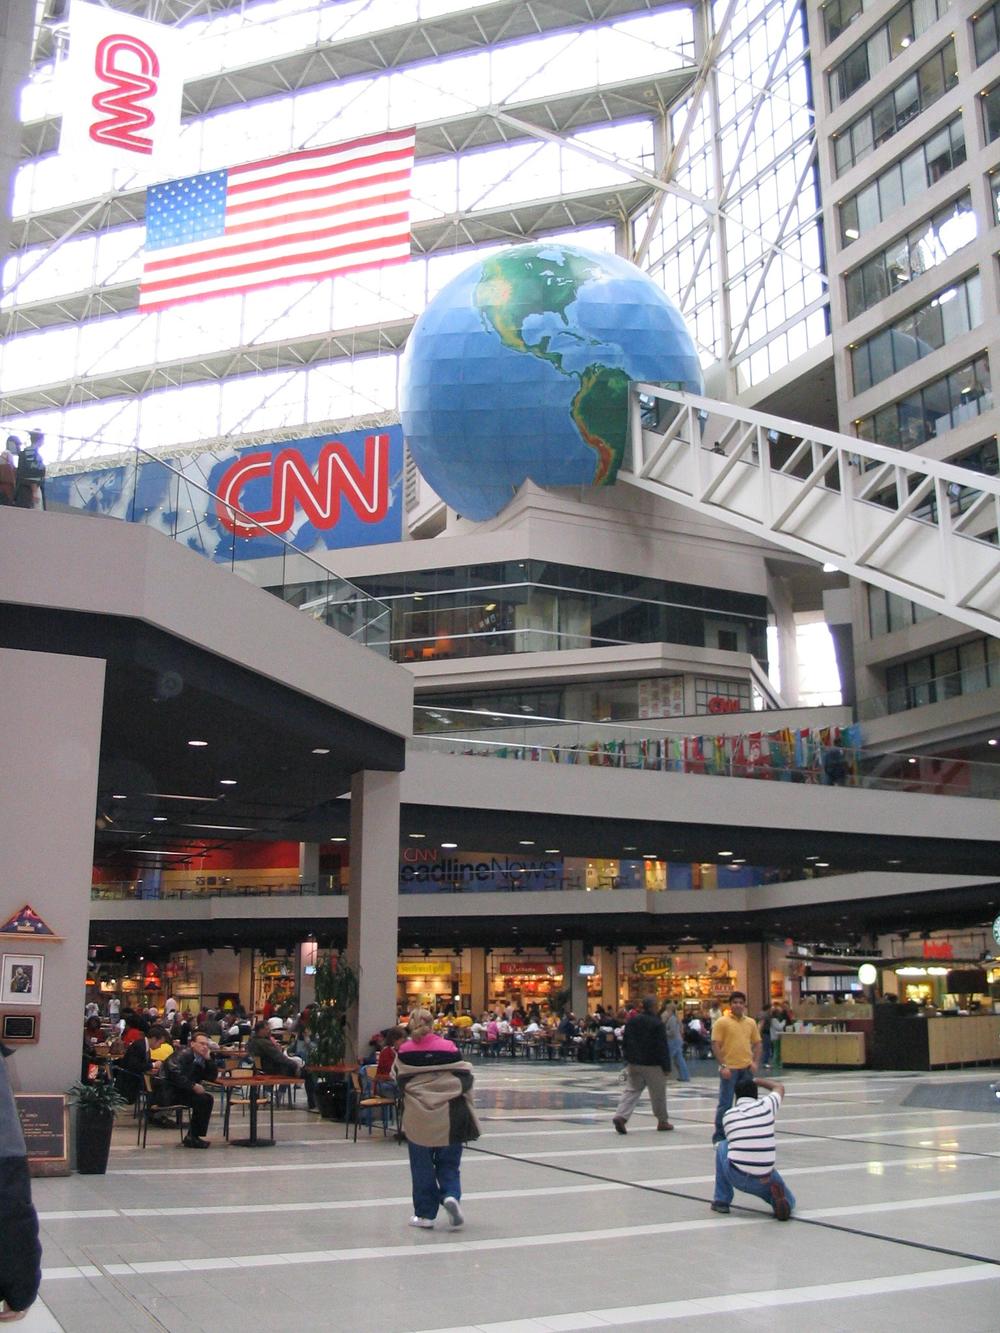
(185, 1074)
(272, 1059)
(385, 1084)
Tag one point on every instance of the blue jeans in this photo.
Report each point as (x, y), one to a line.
(676, 1049)
(434, 1175)
(729, 1177)
(727, 1086)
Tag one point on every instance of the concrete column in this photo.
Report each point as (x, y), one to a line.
(477, 980)
(607, 965)
(48, 795)
(373, 899)
(757, 982)
(572, 958)
(309, 865)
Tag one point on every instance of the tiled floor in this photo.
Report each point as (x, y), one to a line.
(569, 1226)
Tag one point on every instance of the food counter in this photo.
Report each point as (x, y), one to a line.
(823, 1048)
(907, 1041)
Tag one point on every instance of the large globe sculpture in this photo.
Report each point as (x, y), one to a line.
(520, 368)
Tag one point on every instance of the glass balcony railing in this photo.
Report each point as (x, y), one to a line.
(802, 756)
(142, 488)
(933, 690)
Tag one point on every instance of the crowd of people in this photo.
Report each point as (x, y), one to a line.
(422, 1062)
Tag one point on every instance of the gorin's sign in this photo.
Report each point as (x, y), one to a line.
(652, 965)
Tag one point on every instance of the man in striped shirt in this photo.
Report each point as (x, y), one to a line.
(744, 1159)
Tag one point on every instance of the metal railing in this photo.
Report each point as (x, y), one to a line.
(142, 488)
(778, 756)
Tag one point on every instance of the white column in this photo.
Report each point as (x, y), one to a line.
(572, 958)
(373, 900)
(309, 865)
(51, 707)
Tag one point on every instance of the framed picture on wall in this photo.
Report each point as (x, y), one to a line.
(21, 978)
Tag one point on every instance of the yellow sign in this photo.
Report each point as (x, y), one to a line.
(427, 967)
(652, 965)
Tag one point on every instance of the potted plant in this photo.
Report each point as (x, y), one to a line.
(96, 1104)
(336, 991)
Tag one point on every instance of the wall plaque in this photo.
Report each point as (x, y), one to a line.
(45, 1122)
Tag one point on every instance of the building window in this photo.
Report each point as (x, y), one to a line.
(991, 112)
(946, 674)
(937, 407)
(838, 15)
(904, 182)
(986, 33)
(919, 251)
(881, 47)
(919, 90)
(948, 314)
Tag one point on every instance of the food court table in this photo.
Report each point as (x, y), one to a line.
(254, 1082)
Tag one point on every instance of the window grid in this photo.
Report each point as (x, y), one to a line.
(904, 182)
(947, 315)
(960, 396)
(882, 46)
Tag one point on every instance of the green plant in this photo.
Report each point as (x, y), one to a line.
(101, 1096)
(336, 991)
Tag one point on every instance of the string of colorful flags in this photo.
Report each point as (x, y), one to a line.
(785, 755)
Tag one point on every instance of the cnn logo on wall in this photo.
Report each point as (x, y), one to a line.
(123, 84)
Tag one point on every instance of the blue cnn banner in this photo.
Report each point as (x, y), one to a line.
(323, 493)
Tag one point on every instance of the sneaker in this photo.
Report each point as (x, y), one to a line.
(619, 1124)
(720, 1207)
(664, 1124)
(450, 1205)
(190, 1141)
(426, 1222)
(782, 1208)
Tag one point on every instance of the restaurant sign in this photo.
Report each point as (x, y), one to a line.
(652, 965)
(424, 967)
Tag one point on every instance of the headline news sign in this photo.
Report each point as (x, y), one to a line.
(326, 492)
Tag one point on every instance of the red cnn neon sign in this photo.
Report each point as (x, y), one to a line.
(366, 488)
(114, 54)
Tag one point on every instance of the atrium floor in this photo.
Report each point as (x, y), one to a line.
(568, 1225)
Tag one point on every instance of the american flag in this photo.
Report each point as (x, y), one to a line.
(299, 217)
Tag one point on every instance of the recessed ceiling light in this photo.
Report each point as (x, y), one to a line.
(159, 819)
(723, 853)
(894, 862)
(449, 844)
(630, 849)
(321, 750)
(822, 865)
(911, 761)
(338, 839)
(649, 856)
(418, 835)
(526, 842)
(198, 744)
(118, 796)
(993, 741)
(551, 851)
(227, 782)
(812, 858)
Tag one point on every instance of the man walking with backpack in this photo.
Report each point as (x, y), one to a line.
(647, 1063)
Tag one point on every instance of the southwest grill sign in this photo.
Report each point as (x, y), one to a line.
(325, 492)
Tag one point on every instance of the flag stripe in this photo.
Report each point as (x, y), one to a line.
(316, 251)
(306, 275)
(246, 228)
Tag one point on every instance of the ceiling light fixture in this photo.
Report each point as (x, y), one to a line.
(227, 782)
(321, 750)
(526, 842)
(170, 796)
(340, 839)
(198, 745)
(418, 835)
(449, 845)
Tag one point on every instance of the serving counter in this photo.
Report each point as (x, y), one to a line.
(823, 1048)
(905, 1041)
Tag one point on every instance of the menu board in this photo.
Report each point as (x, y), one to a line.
(45, 1124)
(661, 696)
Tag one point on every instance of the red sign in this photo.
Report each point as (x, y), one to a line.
(938, 949)
(132, 69)
(366, 488)
(719, 704)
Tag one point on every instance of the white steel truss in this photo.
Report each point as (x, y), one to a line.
(925, 530)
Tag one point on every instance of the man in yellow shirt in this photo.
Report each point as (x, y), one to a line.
(736, 1046)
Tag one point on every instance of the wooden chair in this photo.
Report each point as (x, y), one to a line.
(359, 1100)
(145, 1109)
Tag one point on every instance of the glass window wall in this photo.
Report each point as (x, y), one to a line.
(986, 33)
(904, 182)
(882, 46)
(959, 396)
(916, 253)
(895, 109)
(949, 313)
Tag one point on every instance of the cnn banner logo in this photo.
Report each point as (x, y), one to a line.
(123, 85)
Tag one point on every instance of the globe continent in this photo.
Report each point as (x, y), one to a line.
(520, 368)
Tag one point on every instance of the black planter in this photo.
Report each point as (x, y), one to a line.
(332, 1100)
(93, 1140)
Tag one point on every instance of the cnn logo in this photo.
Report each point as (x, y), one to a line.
(131, 70)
